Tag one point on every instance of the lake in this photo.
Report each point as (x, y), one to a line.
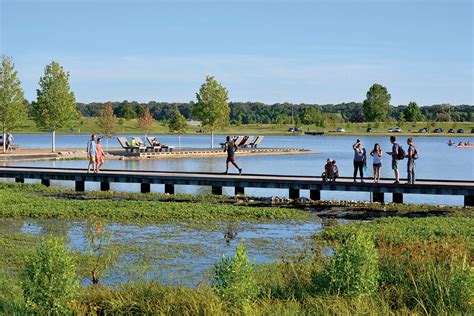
(437, 161)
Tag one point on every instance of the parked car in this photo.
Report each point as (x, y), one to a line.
(460, 131)
(397, 130)
(294, 129)
(423, 130)
(340, 130)
(369, 130)
(438, 130)
(451, 131)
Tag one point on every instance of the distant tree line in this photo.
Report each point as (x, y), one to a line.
(288, 113)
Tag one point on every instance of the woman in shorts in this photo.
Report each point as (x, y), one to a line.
(377, 163)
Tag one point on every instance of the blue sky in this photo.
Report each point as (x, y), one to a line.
(268, 51)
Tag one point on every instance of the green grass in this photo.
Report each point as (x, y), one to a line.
(29, 201)
(88, 125)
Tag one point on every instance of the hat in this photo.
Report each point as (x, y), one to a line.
(329, 160)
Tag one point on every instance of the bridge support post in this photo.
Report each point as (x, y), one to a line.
(169, 188)
(145, 187)
(80, 186)
(216, 190)
(294, 194)
(315, 195)
(398, 198)
(469, 200)
(19, 180)
(378, 197)
(105, 186)
(46, 182)
(239, 190)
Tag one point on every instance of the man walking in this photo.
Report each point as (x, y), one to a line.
(230, 148)
(91, 153)
(394, 155)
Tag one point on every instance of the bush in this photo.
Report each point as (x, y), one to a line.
(353, 270)
(49, 280)
(234, 278)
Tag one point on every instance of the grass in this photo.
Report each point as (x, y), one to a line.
(88, 125)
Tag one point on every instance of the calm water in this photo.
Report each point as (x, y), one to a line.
(437, 160)
(178, 253)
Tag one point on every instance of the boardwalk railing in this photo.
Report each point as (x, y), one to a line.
(218, 180)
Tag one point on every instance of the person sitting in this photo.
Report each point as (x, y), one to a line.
(327, 169)
(133, 143)
(155, 142)
(333, 172)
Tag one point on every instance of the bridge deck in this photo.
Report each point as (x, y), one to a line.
(219, 180)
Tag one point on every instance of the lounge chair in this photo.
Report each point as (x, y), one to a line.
(256, 142)
(125, 145)
(247, 142)
(159, 147)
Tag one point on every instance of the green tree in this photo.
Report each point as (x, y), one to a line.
(128, 111)
(377, 103)
(312, 115)
(412, 113)
(55, 106)
(178, 125)
(212, 108)
(145, 121)
(107, 121)
(13, 111)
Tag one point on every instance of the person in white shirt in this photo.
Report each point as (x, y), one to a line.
(377, 163)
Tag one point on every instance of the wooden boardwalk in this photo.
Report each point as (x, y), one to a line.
(218, 180)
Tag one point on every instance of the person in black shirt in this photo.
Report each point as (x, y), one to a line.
(230, 148)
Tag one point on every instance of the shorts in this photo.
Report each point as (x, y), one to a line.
(230, 159)
(377, 165)
(394, 164)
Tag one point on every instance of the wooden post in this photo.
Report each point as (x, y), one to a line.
(19, 180)
(469, 200)
(104, 186)
(315, 195)
(169, 188)
(216, 190)
(145, 187)
(398, 198)
(239, 190)
(378, 197)
(46, 182)
(294, 194)
(80, 186)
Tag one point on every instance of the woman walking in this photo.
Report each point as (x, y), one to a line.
(230, 148)
(377, 154)
(360, 159)
(100, 159)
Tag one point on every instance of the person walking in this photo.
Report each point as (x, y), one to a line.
(412, 155)
(230, 148)
(360, 158)
(9, 142)
(394, 154)
(91, 154)
(377, 162)
(100, 157)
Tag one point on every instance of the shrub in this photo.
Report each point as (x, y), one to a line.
(49, 280)
(353, 270)
(234, 278)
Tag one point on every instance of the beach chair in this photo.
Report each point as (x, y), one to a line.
(125, 145)
(247, 142)
(256, 142)
(159, 147)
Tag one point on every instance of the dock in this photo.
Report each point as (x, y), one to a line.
(294, 184)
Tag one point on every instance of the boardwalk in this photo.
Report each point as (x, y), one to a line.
(218, 180)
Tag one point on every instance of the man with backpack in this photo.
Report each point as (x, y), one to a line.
(412, 155)
(395, 153)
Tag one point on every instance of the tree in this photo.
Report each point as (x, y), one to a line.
(377, 104)
(178, 125)
(412, 113)
(107, 121)
(145, 121)
(13, 110)
(55, 106)
(212, 108)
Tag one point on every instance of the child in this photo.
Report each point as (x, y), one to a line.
(327, 169)
(334, 171)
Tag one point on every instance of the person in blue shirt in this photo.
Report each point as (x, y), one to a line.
(91, 154)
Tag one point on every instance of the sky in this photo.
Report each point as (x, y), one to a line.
(266, 51)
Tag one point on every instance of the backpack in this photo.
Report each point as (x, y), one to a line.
(401, 153)
(415, 154)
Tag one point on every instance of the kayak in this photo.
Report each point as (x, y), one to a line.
(465, 146)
